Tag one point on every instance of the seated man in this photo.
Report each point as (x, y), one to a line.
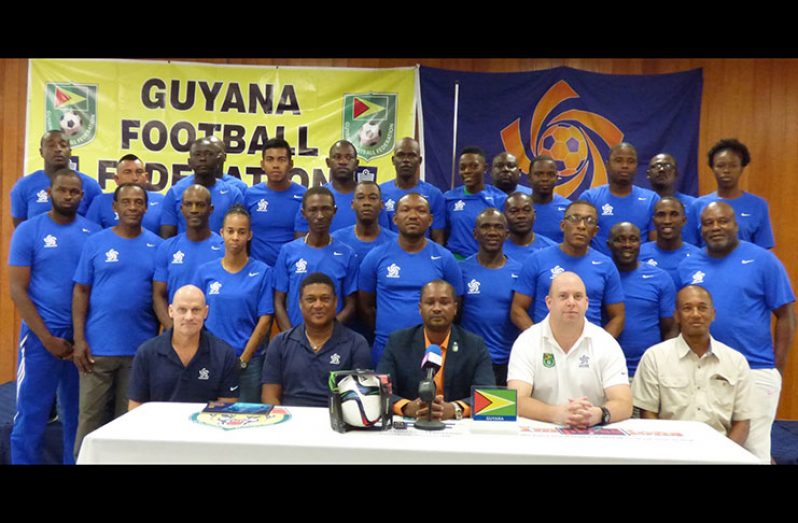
(566, 370)
(694, 376)
(466, 361)
(299, 360)
(186, 363)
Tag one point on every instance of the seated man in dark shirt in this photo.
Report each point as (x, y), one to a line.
(186, 363)
(299, 360)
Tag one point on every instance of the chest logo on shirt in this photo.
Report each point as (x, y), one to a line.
(393, 271)
(473, 286)
(652, 262)
(50, 242)
(647, 276)
(555, 271)
(216, 247)
(263, 205)
(606, 210)
(745, 215)
(301, 266)
(746, 262)
(85, 230)
(584, 361)
(223, 191)
(459, 205)
(390, 205)
(178, 257)
(561, 209)
(204, 374)
(41, 197)
(698, 277)
(548, 360)
(153, 204)
(214, 288)
(112, 256)
(335, 359)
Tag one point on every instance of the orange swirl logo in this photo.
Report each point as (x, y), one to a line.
(569, 137)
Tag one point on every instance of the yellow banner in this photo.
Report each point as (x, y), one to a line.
(155, 110)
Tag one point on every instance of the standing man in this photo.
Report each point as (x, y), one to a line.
(621, 200)
(205, 159)
(221, 174)
(129, 169)
(566, 370)
(549, 206)
(29, 195)
(748, 285)
(668, 250)
(465, 202)
(574, 254)
(273, 204)
(694, 376)
(366, 233)
(488, 277)
(44, 254)
(649, 296)
(112, 309)
(392, 275)
(522, 241)
(505, 174)
(662, 173)
(177, 258)
(406, 160)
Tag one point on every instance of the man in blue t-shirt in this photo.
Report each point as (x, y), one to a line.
(177, 258)
(505, 174)
(549, 206)
(299, 360)
(748, 285)
(406, 160)
(574, 254)
(29, 195)
(392, 275)
(668, 250)
(465, 202)
(522, 240)
(621, 200)
(488, 277)
(205, 159)
(662, 173)
(221, 174)
(129, 169)
(112, 309)
(649, 296)
(273, 204)
(43, 256)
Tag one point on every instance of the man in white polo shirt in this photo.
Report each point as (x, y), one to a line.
(566, 370)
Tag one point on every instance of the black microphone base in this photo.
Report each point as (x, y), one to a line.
(430, 424)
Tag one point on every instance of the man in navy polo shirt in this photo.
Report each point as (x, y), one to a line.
(299, 360)
(186, 363)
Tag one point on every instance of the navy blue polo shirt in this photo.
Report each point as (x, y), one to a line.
(302, 373)
(159, 375)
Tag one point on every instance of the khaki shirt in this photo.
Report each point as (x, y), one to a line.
(676, 384)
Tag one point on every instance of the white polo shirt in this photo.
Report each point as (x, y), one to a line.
(595, 363)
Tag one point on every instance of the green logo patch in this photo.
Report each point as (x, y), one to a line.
(71, 108)
(369, 122)
(548, 360)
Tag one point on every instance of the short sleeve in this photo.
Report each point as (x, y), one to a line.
(520, 367)
(778, 290)
(21, 250)
(139, 387)
(162, 263)
(613, 365)
(438, 208)
(526, 283)
(228, 386)
(367, 277)
(613, 290)
(169, 212)
(350, 280)
(266, 294)
(84, 273)
(93, 214)
(19, 207)
(273, 364)
(667, 299)
(763, 236)
(645, 385)
(453, 274)
(300, 223)
(280, 278)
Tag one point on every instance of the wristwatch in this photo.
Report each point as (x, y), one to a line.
(243, 364)
(458, 411)
(605, 416)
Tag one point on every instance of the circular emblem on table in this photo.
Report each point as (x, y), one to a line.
(230, 421)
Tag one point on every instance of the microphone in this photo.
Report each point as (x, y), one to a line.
(432, 362)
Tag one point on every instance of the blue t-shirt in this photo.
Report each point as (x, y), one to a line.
(598, 272)
(745, 286)
(119, 271)
(52, 252)
(223, 196)
(753, 218)
(461, 214)
(235, 182)
(101, 211)
(178, 257)
(691, 229)
(347, 235)
(236, 301)
(304, 374)
(637, 207)
(159, 375)
(519, 253)
(396, 278)
(344, 214)
(650, 295)
(522, 189)
(548, 217)
(273, 214)
(486, 305)
(29, 195)
(668, 261)
(297, 259)
(391, 195)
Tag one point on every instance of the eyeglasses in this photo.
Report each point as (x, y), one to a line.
(665, 166)
(589, 221)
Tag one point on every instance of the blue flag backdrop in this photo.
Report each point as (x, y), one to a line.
(573, 116)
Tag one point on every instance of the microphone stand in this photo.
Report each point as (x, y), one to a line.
(426, 392)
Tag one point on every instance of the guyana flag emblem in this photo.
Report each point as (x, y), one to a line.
(495, 404)
(369, 122)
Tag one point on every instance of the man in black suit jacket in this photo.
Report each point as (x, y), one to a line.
(466, 361)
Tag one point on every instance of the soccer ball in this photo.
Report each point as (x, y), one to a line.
(71, 122)
(567, 146)
(369, 134)
(360, 400)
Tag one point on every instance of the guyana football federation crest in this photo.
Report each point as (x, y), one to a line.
(369, 122)
(71, 108)
(548, 360)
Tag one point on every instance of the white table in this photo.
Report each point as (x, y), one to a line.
(164, 433)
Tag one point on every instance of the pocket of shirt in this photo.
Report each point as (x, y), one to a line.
(675, 393)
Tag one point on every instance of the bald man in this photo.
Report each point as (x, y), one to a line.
(566, 370)
(185, 363)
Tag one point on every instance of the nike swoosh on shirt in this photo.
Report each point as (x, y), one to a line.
(337, 253)
(223, 192)
(642, 199)
(150, 245)
(253, 274)
(232, 389)
(647, 276)
(436, 257)
(84, 230)
(745, 214)
(746, 262)
(297, 196)
(216, 248)
(594, 262)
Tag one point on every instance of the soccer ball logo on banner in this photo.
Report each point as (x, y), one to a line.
(369, 122)
(71, 108)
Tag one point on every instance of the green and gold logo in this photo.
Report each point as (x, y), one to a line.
(369, 122)
(73, 109)
(548, 360)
